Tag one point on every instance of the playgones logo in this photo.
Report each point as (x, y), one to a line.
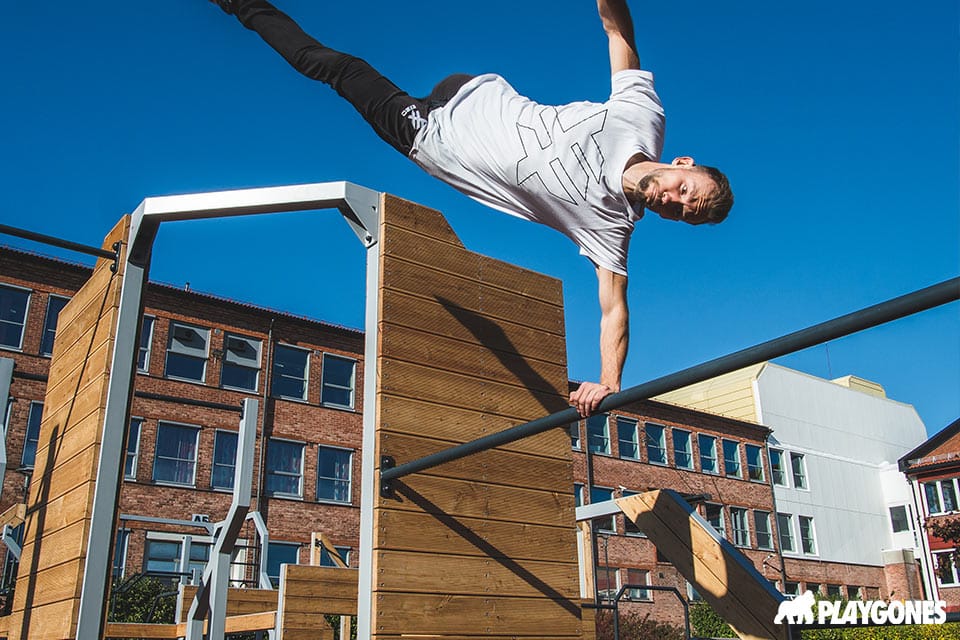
(801, 610)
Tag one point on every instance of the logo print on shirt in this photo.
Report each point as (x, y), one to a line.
(568, 183)
(412, 113)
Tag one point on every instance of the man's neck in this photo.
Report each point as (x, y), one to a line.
(635, 171)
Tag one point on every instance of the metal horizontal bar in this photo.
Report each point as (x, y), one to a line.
(146, 395)
(894, 309)
(57, 242)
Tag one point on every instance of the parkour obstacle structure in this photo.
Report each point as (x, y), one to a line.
(467, 521)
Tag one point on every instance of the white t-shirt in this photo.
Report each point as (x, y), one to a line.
(559, 166)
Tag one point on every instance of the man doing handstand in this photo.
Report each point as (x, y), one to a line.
(585, 169)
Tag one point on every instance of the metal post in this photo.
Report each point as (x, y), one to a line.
(894, 309)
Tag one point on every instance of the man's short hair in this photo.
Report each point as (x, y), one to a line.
(719, 203)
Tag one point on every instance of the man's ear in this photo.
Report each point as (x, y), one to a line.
(686, 161)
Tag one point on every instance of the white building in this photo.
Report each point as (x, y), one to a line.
(840, 499)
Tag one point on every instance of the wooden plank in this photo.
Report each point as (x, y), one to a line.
(414, 217)
(589, 619)
(418, 248)
(58, 547)
(406, 415)
(743, 600)
(57, 584)
(415, 614)
(14, 515)
(64, 510)
(410, 531)
(81, 367)
(495, 467)
(262, 621)
(141, 630)
(450, 497)
(305, 627)
(45, 622)
(73, 438)
(463, 575)
(93, 291)
(430, 316)
(321, 541)
(466, 392)
(67, 475)
(470, 300)
(414, 345)
(78, 403)
(239, 601)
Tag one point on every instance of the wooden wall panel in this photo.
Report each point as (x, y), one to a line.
(59, 506)
(484, 546)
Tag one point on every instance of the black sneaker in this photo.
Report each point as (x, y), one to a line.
(229, 6)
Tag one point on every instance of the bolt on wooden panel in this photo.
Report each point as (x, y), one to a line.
(467, 345)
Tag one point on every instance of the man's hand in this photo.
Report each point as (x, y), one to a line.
(587, 398)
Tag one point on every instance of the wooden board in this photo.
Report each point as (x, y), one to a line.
(717, 570)
(46, 601)
(468, 346)
(309, 589)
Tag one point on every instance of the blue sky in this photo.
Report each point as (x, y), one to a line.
(837, 123)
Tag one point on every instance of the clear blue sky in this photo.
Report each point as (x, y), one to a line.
(837, 123)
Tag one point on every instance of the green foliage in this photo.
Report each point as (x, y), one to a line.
(634, 626)
(707, 623)
(135, 597)
(334, 621)
(948, 530)
(948, 631)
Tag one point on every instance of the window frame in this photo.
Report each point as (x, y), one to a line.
(739, 534)
(722, 530)
(306, 372)
(660, 446)
(27, 438)
(738, 468)
(576, 441)
(268, 472)
(135, 466)
(632, 425)
(812, 536)
(954, 570)
(941, 506)
(281, 544)
(768, 529)
(324, 384)
(171, 336)
(638, 594)
(147, 349)
(599, 522)
(701, 437)
(196, 456)
(349, 481)
(46, 323)
(26, 315)
(214, 465)
(689, 449)
(225, 361)
(604, 437)
(747, 447)
(804, 478)
(779, 453)
(787, 518)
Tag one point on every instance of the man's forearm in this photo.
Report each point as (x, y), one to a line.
(614, 344)
(618, 26)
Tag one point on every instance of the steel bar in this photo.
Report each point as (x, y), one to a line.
(57, 242)
(894, 309)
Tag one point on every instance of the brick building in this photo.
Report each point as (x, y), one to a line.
(933, 469)
(201, 355)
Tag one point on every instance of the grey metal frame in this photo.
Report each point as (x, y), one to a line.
(359, 206)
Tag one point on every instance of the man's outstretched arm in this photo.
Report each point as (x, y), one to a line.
(619, 28)
(614, 340)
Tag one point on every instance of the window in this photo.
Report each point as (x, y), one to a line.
(899, 519)
(575, 443)
(627, 440)
(120, 553)
(853, 592)
(656, 443)
(163, 554)
(241, 363)
(708, 453)
(607, 523)
(326, 560)
(578, 494)
(638, 577)
(814, 587)
(761, 522)
(808, 542)
(176, 458)
(630, 528)
(731, 458)
(224, 459)
(598, 434)
(947, 574)
(741, 527)
(146, 341)
(133, 449)
(290, 372)
(834, 591)
(682, 449)
(608, 582)
(187, 352)
(285, 468)
(755, 463)
(334, 471)
(279, 553)
(55, 305)
(714, 515)
(32, 437)
(13, 315)
(941, 496)
(799, 470)
(791, 588)
(338, 384)
(777, 468)
(785, 528)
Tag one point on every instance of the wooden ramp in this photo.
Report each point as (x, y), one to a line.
(57, 517)
(484, 546)
(720, 573)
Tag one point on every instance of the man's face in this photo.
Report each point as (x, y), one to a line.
(677, 193)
